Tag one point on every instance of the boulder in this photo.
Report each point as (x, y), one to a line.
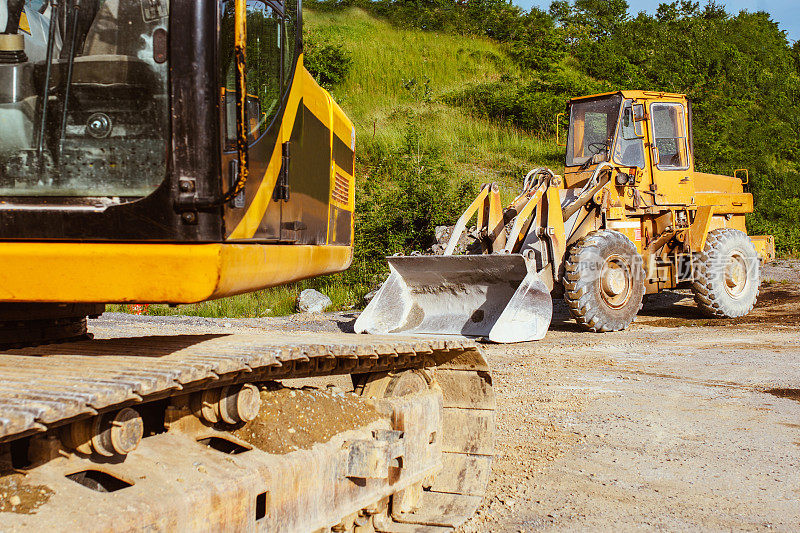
(311, 301)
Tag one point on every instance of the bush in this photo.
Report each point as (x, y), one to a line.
(328, 61)
(530, 104)
(404, 193)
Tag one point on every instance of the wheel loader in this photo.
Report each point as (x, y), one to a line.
(630, 216)
(176, 151)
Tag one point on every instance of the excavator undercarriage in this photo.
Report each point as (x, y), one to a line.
(152, 433)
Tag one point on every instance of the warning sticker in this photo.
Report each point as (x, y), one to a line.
(24, 25)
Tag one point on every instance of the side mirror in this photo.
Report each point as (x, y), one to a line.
(746, 178)
(638, 117)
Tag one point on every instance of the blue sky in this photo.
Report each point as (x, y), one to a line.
(785, 12)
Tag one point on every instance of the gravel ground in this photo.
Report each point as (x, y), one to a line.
(695, 426)
(677, 423)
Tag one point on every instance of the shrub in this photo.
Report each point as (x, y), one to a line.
(326, 60)
(404, 193)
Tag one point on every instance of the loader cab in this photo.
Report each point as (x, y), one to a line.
(645, 135)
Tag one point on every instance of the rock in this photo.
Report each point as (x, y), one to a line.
(442, 233)
(467, 241)
(369, 296)
(311, 301)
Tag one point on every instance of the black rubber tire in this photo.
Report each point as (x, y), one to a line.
(583, 290)
(711, 292)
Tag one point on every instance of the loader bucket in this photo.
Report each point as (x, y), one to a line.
(493, 296)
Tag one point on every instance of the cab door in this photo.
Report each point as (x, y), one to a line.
(672, 163)
(253, 215)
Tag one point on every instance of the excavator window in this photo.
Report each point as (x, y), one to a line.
(591, 129)
(629, 148)
(93, 122)
(267, 70)
(669, 134)
(291, 22)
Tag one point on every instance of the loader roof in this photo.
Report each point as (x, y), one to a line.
(637, 95)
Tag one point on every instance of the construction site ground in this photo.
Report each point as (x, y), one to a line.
(678, 423)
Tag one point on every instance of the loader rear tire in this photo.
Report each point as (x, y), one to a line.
(604, 281)
(727, 275)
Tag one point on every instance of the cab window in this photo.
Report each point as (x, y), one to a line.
(266, 46)
(591, 128)
(669, 134)
(107, 133)
(629, 150)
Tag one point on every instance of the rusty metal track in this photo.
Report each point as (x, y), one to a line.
(44, 387)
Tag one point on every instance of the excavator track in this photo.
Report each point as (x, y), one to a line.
(420, 464)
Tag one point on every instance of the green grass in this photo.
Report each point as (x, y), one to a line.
(398, 79)
(392, 66)
(345, 292)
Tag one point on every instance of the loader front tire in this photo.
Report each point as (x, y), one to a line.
(604, 281)
(727, 274)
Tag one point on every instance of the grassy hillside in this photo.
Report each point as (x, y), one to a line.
(396, 91)
(399, 79)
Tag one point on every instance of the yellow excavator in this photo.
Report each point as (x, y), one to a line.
(630, 216)
(177, 151)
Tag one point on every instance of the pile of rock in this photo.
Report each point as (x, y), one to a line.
(468, 241)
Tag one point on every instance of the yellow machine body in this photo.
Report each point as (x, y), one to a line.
(168, 273)
(629, 216)
(673, 203)
(245, 261)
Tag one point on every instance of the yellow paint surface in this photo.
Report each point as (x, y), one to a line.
(155, 273)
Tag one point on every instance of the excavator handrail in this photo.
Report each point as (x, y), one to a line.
(242, 141)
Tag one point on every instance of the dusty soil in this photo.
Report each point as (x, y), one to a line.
(679, 423)
(292, 419)
(18, 496)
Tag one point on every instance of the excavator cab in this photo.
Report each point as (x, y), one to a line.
(165, 151)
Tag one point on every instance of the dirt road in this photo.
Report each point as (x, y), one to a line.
(678, 423)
